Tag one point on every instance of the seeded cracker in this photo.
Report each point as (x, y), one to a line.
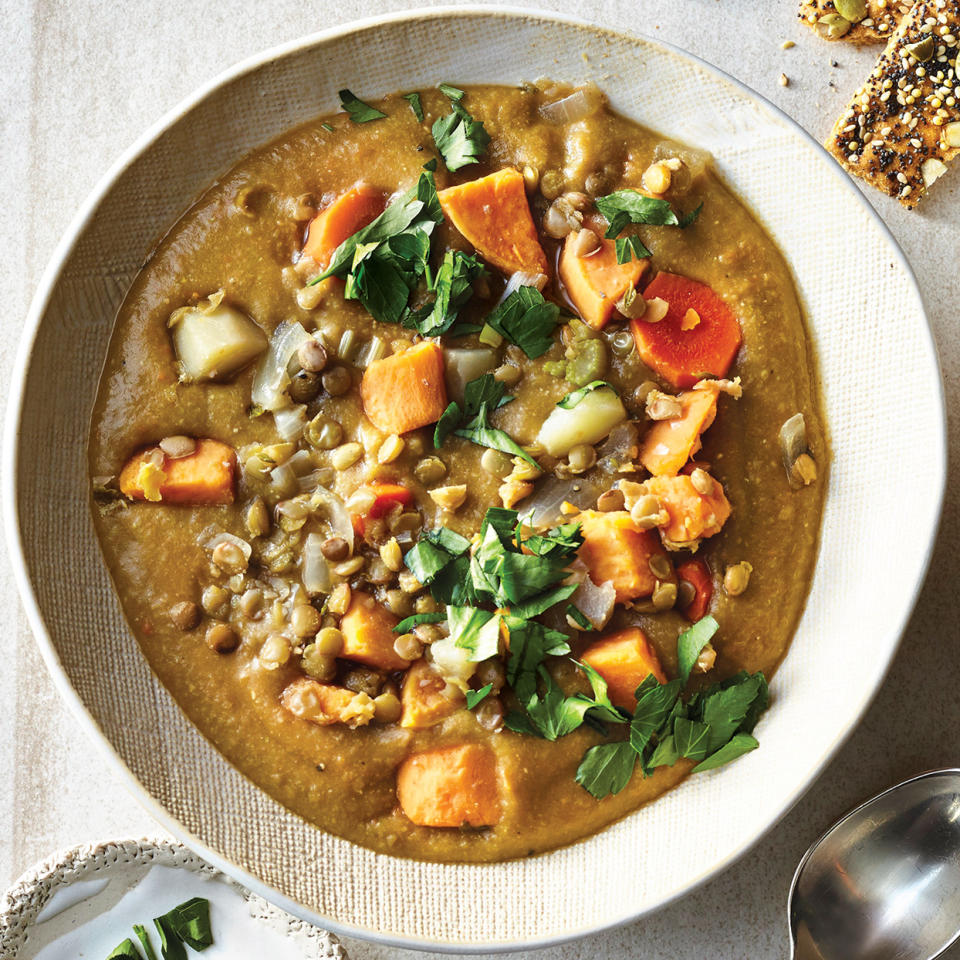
(881, 18)
(903, 125)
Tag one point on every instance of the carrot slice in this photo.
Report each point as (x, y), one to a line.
(347, 214)
(388, 495)
(687, 346)
(616, 549)
(624, 659)
(693, 515)
(669, 444)
(368, 636)
(594, 284)
(405, 391)
(204, 477)
(424, 702)
(493, 214)
(450, 787)
(697, 574)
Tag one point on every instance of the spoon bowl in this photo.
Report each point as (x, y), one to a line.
(883, 883)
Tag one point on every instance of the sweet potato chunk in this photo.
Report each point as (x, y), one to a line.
(405, 391)
(616, 549)
(624, 659)
(450, 787)
(368, 635)
(493, 214)
(669, 444)
(424, 704)
(204, 477)
(320, 703)
(594, 284)
(699, 337)
(350, 212)
(693, 515)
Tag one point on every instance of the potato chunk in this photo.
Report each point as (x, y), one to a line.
(213, 340)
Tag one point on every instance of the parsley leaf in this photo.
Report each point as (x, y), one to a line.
(629, 247)
(654, 703)
(631, 206)
(435, 550)
(526, 319)
(328, 127)
(691, 738)
(407, 624)
(606, 768)
(475, 630)
(190, 921)
(474, 697)
(383, 261)
(460, 139)
(359, 111)
(171, 947)
(573, 398)
(481, 397)
(141, 931)
(125, 951)
(733, 749)
(452, 288)
(530, 644)
(691, 642)
(690, 217)
(725, 708)
(414, 100)
(451, 92)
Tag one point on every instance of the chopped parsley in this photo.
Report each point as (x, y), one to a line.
(475, 697)
(460, 139)
(526, 319)
(629, 247)
(327, 126)
(452, 288)
(414, 100)
(359, 111)
(383, 262)
(575, 396)
(481, 397)
(630, 206)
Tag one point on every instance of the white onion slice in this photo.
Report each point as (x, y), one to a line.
(272, 378)
(521, 279)
(543, 507)
(595, 603)
(571, 108)
(290, 421)
(315, 571)
(336, 512)
(302, 463)
(283, 476)
(452, 662)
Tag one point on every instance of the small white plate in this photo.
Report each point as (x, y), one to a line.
(82, 903)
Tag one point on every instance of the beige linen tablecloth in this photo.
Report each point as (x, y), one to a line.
(79, 81)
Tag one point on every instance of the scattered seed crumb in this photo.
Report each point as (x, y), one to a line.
(784, 80)
(787, 45)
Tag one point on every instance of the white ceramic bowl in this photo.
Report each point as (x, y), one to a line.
(884, 405)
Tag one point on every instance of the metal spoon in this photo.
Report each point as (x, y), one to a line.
(883, 883)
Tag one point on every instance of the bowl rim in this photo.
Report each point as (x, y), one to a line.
(10, 486)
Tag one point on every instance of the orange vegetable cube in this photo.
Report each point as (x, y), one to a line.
(494, 215)
(616, 549)
(368, 635)
(594, 284)
(450, 787)
(205, 476)
(624, 659)
(693, 515)
(681, 349)
(422, 698)
(320, 703)
(406, 390)
(669, 444)
(350, 212)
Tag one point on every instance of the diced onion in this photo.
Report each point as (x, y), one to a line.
(336, 512)
(283, 476)
(315, 571)
(521, 279)
(595, 603)
(571, 108)
(544, 506)
(452, 662)
(290, 421)
(272, 376)
(302, 463)
(466, 364)
(376, 349)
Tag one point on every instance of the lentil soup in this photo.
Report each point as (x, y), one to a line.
(456, 462)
